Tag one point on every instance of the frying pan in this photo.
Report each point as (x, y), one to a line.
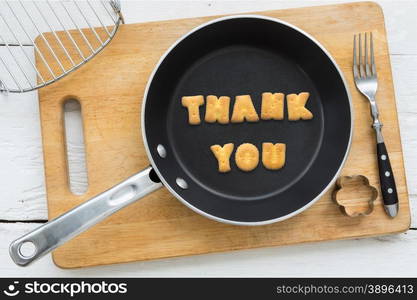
(230, 56)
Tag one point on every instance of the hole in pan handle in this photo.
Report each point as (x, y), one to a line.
(63, 228)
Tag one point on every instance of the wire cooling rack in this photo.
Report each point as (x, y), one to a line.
(60, 35)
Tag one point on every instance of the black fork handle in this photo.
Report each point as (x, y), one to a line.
(387, 181)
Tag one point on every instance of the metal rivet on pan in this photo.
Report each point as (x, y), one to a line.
(161, 151)
(182, 183)
(383, 157)
(387, 174)
(390, 190)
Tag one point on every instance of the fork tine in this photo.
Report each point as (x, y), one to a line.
(360, 49)
(361, 68)
(367, 68)
(366, 49)
(355, 65)
(372, 57)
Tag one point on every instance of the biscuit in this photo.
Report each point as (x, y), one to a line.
(272, 106)
(223, 156)
(217, 109)
(193, 103)
(247, 157)
(243, 109)
(273, 155)
(296, 107)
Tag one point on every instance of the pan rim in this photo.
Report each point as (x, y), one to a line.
(185, 202)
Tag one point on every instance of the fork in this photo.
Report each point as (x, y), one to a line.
(364, 73)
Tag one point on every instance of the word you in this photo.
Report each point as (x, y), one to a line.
(247, 156)
(272, 108)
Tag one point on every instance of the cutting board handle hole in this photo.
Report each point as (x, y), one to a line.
(75, 146)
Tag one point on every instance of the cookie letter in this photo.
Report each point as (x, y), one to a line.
(217, 109)
(223, 156)
(192, 103)
(273, 156)
(247, 157)
(243, 109)
(272, 106)
(296, 107)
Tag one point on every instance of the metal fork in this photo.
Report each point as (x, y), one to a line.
(364, 72)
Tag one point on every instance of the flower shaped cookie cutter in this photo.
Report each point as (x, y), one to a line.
(355, 195)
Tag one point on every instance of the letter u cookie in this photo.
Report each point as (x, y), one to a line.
(273, 155)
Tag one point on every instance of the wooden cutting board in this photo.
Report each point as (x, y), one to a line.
(110, 90)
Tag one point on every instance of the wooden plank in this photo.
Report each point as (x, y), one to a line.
(158, 226)
(391, 256)
(22, 187)
(405, 75)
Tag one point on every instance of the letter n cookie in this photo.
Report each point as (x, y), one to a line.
(243, 109)
(272, 106)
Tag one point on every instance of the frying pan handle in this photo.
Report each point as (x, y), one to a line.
(63, 228)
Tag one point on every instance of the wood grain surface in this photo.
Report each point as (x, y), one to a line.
(110, 90)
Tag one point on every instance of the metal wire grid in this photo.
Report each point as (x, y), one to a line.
(60, 35)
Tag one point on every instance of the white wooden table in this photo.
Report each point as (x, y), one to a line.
(22, 189)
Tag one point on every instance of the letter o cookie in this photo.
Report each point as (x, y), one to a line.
(247, 157)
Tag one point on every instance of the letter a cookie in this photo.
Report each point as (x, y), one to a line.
(243, 109)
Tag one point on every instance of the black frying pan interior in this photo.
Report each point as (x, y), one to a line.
(241, 56)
